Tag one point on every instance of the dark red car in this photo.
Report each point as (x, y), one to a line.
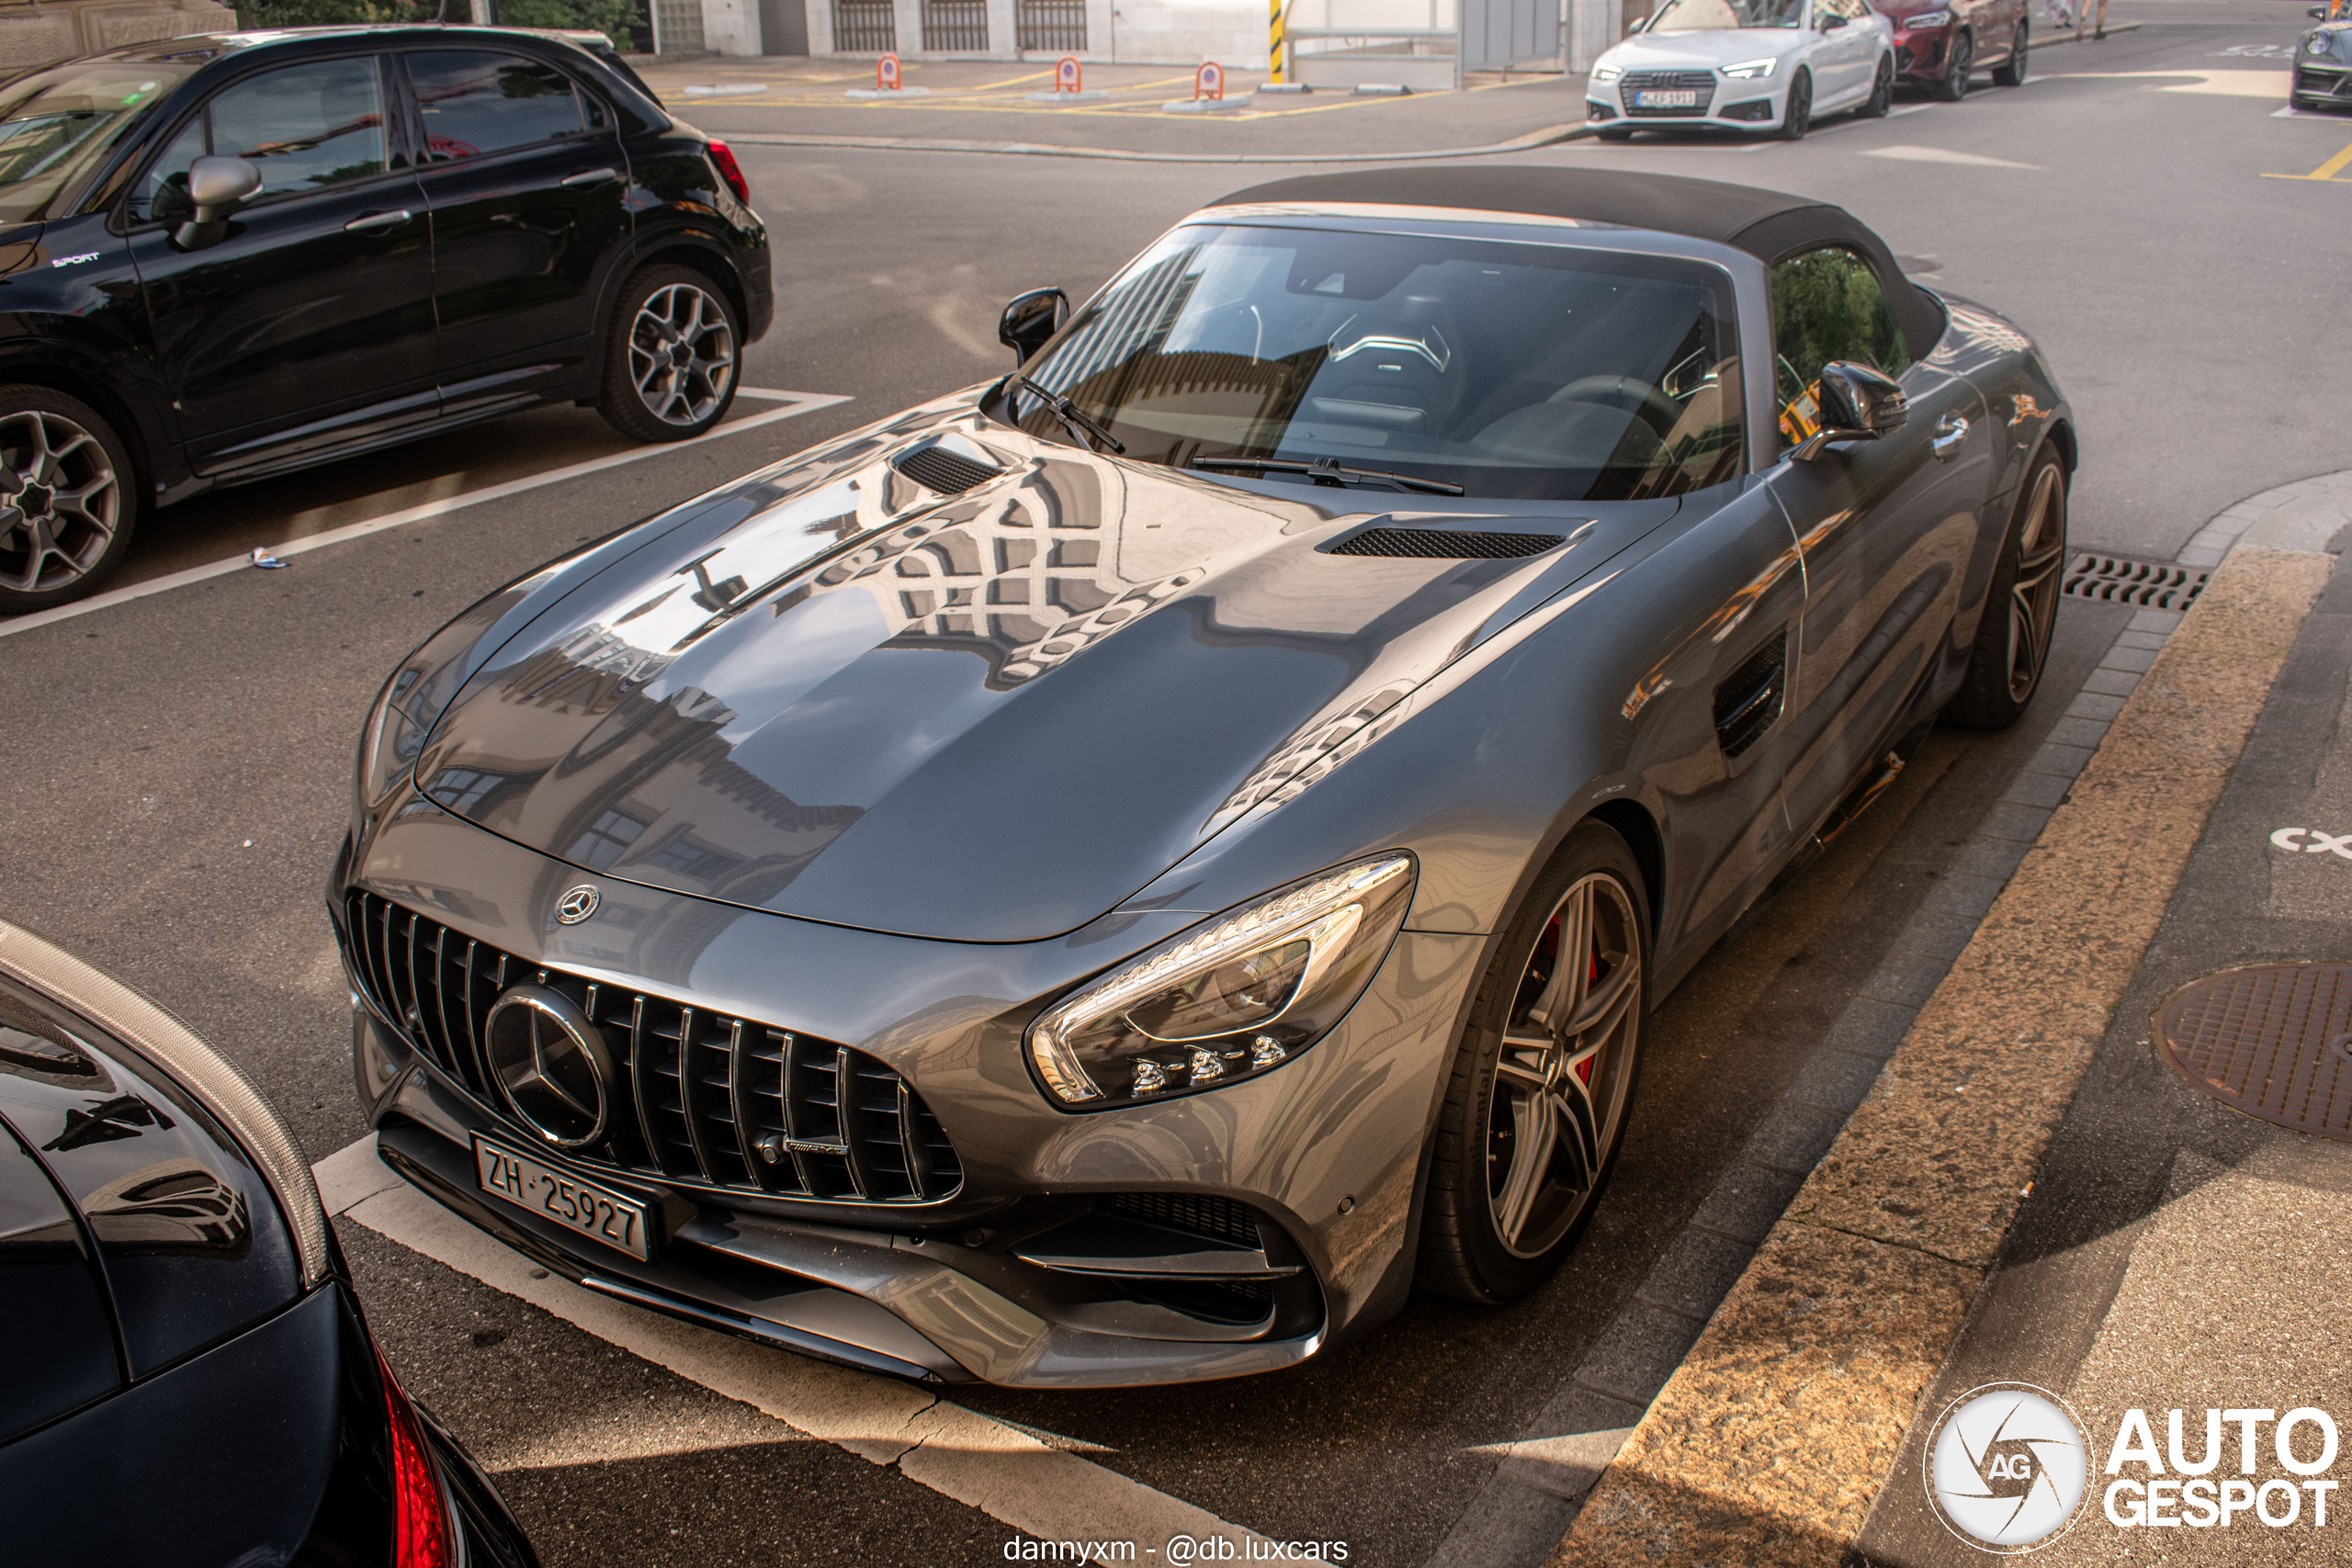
(1939, 44)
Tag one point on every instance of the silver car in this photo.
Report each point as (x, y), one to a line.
(1118, 874)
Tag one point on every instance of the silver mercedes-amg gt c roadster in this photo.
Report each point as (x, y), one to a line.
(1119, 875)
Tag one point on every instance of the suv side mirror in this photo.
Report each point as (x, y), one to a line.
(1857, 404)
(215, 186)
(1031, 320)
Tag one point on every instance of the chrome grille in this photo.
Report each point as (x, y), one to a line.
(1701, 82)
(705, 1097)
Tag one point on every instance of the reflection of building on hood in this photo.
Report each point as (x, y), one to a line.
(175, 1207)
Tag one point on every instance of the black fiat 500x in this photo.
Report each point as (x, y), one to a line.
(225, 256)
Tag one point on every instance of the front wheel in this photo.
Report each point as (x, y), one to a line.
(2020, 605)
(669, 351)
(1543, 1078)
(68, 498)
(2010, 73)
(1960, 59)
(1797, 118)
(1881, 97)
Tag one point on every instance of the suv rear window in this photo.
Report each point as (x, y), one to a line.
(477, 104)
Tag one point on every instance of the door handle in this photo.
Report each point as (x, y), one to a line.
(1949, 436)
(371, 222)
(591, 177)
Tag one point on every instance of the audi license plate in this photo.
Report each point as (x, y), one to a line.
(597, 1213)
(1682, 100)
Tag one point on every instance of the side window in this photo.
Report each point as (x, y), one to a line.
(1827, 305)
(477, 104)
(304, 126)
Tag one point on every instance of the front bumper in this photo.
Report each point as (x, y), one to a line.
(1725, 104)
(2316, 84)
(939, 1284)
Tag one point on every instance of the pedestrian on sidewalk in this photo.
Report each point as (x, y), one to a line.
(2101, 33)
(2060, 13)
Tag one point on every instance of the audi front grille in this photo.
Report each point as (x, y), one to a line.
(729, 1103)
(1699, 82)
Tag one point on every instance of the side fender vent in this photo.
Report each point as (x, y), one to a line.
(1749, 701)
(1445, 544)
(937, 469)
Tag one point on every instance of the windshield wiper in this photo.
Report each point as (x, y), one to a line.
(1327, 469)
(1074, 419)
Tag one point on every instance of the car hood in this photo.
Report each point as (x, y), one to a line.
(836, 694)
(1703, 51)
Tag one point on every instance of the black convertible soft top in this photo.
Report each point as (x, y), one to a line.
(1767, 224)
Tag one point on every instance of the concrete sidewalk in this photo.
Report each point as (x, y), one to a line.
(2028, 1192)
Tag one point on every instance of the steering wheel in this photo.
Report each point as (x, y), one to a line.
(1630, 394)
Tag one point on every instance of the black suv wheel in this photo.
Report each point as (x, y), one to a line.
(670, 356)
(67, 498)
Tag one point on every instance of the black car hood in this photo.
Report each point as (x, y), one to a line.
(992, 718)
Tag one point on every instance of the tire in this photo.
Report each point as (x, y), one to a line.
(670, 356)
(2020, 605)
(1796, 118)
(2010, 73)
(71, 496)
(1499, 1219)
(1952, 85)
(1881, 97)
(1616, 133)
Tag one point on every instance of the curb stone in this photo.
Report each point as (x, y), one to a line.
(1768, 1442)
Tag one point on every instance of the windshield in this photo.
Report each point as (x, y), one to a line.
(1718, 15)
(55, 125)
(1511, 370)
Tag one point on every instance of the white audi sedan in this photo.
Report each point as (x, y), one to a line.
(1746, 66)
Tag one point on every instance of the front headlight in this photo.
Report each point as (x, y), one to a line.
(1750, 70)
(1607, 73)
(2317, 44)
(1232, 998)
(1929, 21)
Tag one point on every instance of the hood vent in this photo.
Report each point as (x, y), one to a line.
(1445, 544)
(936, 467)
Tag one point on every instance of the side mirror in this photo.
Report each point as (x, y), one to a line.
(1857, 404)
(1031, 320)
(2317, 13)
(215, 186)
(1831, 23)
(1640, 24)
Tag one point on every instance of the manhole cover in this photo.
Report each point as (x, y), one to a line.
(2272, 1040)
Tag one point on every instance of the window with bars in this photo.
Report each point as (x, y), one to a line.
(865, 26)
(955, 26)
(1056, 26)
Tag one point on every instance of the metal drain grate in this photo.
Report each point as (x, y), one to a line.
(2272, 1040)
(2123, 580)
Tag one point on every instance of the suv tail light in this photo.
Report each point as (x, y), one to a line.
(730, 171)
(421, 1533)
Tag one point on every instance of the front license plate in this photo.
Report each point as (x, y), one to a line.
(597, 1213)
(1685, 100)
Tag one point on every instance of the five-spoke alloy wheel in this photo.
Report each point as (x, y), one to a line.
(66, 498)
(670, 368)
(1543, 1076)
(2020, 605)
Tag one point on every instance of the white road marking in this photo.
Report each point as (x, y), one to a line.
(1944, 155)
(2322, 843)
(1002, 1471)
(798, 403)
(2225, 84)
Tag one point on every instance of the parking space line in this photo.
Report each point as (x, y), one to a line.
(797, 404)
(2325, 173)
(1045, 1493)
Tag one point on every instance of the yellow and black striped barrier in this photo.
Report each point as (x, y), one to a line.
(1275, 41)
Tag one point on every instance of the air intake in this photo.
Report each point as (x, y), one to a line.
(2144, 584)
(1445, 544)
(936, 467)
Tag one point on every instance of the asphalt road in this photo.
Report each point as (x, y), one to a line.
(176, 767)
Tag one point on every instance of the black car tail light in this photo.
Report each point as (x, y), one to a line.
(723, 159)
(421, 1532)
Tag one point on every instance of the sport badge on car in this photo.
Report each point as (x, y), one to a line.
(551, 1064)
